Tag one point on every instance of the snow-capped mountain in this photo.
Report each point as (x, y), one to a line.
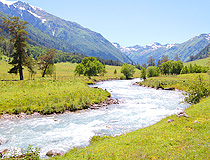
(81, 40)
(140, 54)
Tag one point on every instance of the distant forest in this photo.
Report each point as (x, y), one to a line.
(6, 48)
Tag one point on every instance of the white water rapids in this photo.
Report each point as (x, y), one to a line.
(139, 107)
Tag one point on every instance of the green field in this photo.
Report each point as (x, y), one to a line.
(184, 138)
(201, 62)
(62, 91)
(181, 139)
(63, 71)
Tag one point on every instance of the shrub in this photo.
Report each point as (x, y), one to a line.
(128, 70)
(197, 90)
(184, 70)
(152, 71)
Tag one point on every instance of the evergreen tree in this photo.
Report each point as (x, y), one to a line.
(16, 28)
(115, 71)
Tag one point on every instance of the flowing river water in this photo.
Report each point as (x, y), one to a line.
(139, 107)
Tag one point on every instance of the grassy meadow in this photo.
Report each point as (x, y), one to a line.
(62, 91)
(200, 62)
(181, 82)
(183, 138)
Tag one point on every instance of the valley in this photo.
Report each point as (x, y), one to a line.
(66, 92)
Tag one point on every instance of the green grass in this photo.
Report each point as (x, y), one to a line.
(180, 139)
(62, 91)
(201, 62)
(181, 82)
(63, 71)
(47, 96)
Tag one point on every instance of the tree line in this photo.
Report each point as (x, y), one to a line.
(21, 54)
(166, 67)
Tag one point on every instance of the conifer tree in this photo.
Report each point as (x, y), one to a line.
(16, 28)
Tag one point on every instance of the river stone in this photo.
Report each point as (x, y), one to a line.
(170, 120)
(53, 153)
(196, 121)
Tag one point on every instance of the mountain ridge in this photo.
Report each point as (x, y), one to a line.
(83, 40)
(192, 47)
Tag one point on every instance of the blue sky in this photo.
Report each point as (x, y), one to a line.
(132, 22)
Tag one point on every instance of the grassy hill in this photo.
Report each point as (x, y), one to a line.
(201, 62)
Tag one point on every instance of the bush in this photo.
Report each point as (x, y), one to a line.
(184, 70)
(198, 89)
(152, 71)
(128, 70)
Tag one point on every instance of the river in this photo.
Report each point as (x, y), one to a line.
(139, 107)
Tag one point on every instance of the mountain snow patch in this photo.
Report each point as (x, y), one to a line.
(8, 2)
(34, 14)
(36, 8)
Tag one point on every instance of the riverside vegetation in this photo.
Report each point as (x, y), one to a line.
(51, 94)
(183, 138)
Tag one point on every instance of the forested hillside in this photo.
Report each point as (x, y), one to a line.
(63, 35)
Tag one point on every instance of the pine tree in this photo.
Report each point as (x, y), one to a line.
(16, 28)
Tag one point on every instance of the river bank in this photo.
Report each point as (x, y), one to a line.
(173, 137)
(22, 115)
(139, 107)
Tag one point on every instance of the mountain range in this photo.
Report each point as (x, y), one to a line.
(53, 32)
(140, 54)
(61, 34)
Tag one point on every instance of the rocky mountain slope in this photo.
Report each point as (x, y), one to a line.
(81, 40)
(192, 47)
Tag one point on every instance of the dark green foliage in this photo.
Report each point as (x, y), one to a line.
(46, 60)
(128, 70)
(184, 70)
(79, 69)
(176, 67)
(198, 89)
(165, 68)
(90, 67)
(171, 67)
(143, 73)
(115, 71)
(153, 71)
(16, 28)
(194, 69)
(138, 66)
(50, 69)
(17, 110)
